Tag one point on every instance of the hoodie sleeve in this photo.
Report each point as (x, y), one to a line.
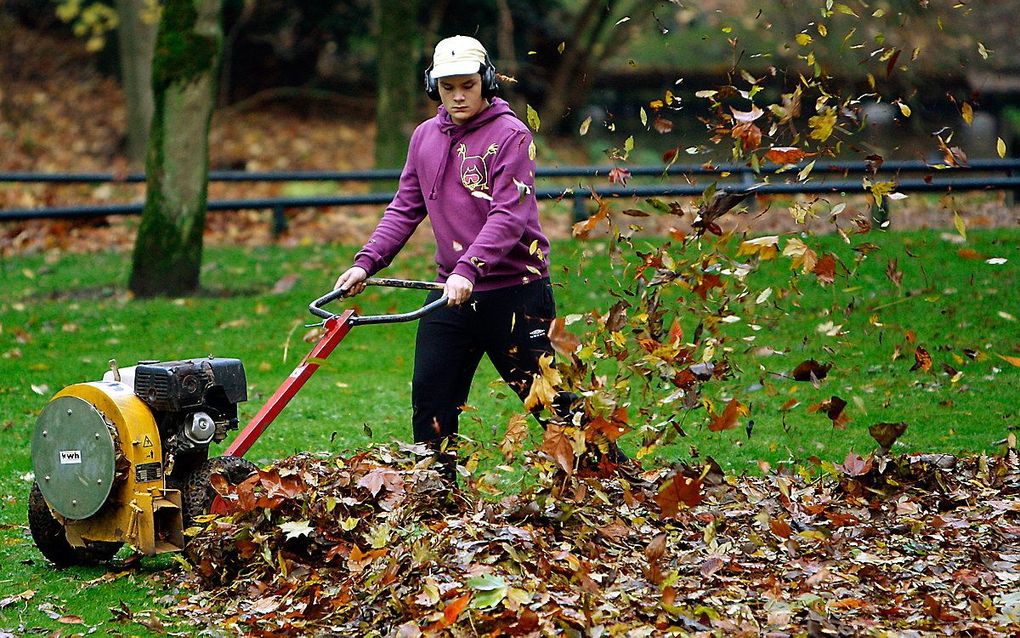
(398, 222)
(513, 204)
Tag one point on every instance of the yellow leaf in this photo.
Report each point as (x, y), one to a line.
(960, 226)
(968, 113)
(904, 109)
(822, 124)
(1000, 147)
(1011, 360)
(803, 39)
(584, 126)
(644, 117)
(533, 120)
(765, 247)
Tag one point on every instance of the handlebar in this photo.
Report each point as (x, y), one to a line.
(316, 306)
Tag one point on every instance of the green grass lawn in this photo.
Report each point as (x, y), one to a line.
(62, 317)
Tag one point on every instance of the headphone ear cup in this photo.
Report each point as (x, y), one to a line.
(431, 86)
(490, 85)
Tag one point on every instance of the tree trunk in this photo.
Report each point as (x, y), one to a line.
(400, 85)
(136, 37)
(168, 249)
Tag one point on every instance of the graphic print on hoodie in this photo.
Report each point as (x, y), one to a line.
(475, 182)
(473, 172)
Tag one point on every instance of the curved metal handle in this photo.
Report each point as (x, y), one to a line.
(316, 306)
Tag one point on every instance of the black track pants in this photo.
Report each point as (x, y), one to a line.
(509, 325)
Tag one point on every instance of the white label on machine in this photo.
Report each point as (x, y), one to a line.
(70, 457)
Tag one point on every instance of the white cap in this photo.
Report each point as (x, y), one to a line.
(459, 55)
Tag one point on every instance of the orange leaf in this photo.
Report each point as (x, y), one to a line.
(785, 155)
(456, 606)
(558, 445)
(728, 419)
(781, 528)
(1011, 360)
(679, 489)
(922, 360)
(563, 342)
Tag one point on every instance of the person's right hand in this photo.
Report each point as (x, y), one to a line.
(352, 280)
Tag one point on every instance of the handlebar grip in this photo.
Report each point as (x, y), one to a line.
(316, 306)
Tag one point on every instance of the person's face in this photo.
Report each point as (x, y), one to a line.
(462, 96)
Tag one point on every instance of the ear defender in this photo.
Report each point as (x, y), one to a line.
(490, 84)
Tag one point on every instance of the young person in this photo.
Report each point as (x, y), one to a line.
(471, 171)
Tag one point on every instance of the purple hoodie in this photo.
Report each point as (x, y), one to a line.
(476, 182)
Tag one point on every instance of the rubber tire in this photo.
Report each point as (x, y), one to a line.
(48, 534)
(197, 494)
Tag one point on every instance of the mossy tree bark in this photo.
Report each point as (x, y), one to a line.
(168, 249)
(400, 85)
(136, 37)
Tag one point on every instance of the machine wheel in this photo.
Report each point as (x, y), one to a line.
(49, 537)
(197, 494)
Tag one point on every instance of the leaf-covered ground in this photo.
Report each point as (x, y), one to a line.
(374, 545)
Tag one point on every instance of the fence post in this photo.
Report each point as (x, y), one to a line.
(279, 221)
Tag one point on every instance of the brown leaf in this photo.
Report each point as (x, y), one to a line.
(558, 444)
(728, 419)
(662, 125)
(786, 154)
(887, 433)
(780, 528)
(749, 135)
(825, 269)
(811, 370)
(833, 408)
(656, 549)
(922, 360)
(679, 489)
(564, 342)
(612, 428)
(516, 434)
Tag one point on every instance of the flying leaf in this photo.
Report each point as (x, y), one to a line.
(833, 408)
(563, 341)
(558, 444)
(785, 155)
(533, 120)
(822, 124)
(584, 126)
(516, 434)
(825, 269)
(887, 433)
(811, 370)
(922, 360)
(802, 256)
(967, 113)
(728, 418)
(960, 226)
(1000, 147)
(662, 125)
(765, 247)
(747, 116)
(619, 175)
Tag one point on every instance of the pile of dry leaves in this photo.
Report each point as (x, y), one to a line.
(374, 545)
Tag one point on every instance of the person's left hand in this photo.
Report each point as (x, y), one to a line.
(458, 289)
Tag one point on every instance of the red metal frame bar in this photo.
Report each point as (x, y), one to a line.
(337, 328)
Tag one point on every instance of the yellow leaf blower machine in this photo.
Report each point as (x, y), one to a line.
(126, 459)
